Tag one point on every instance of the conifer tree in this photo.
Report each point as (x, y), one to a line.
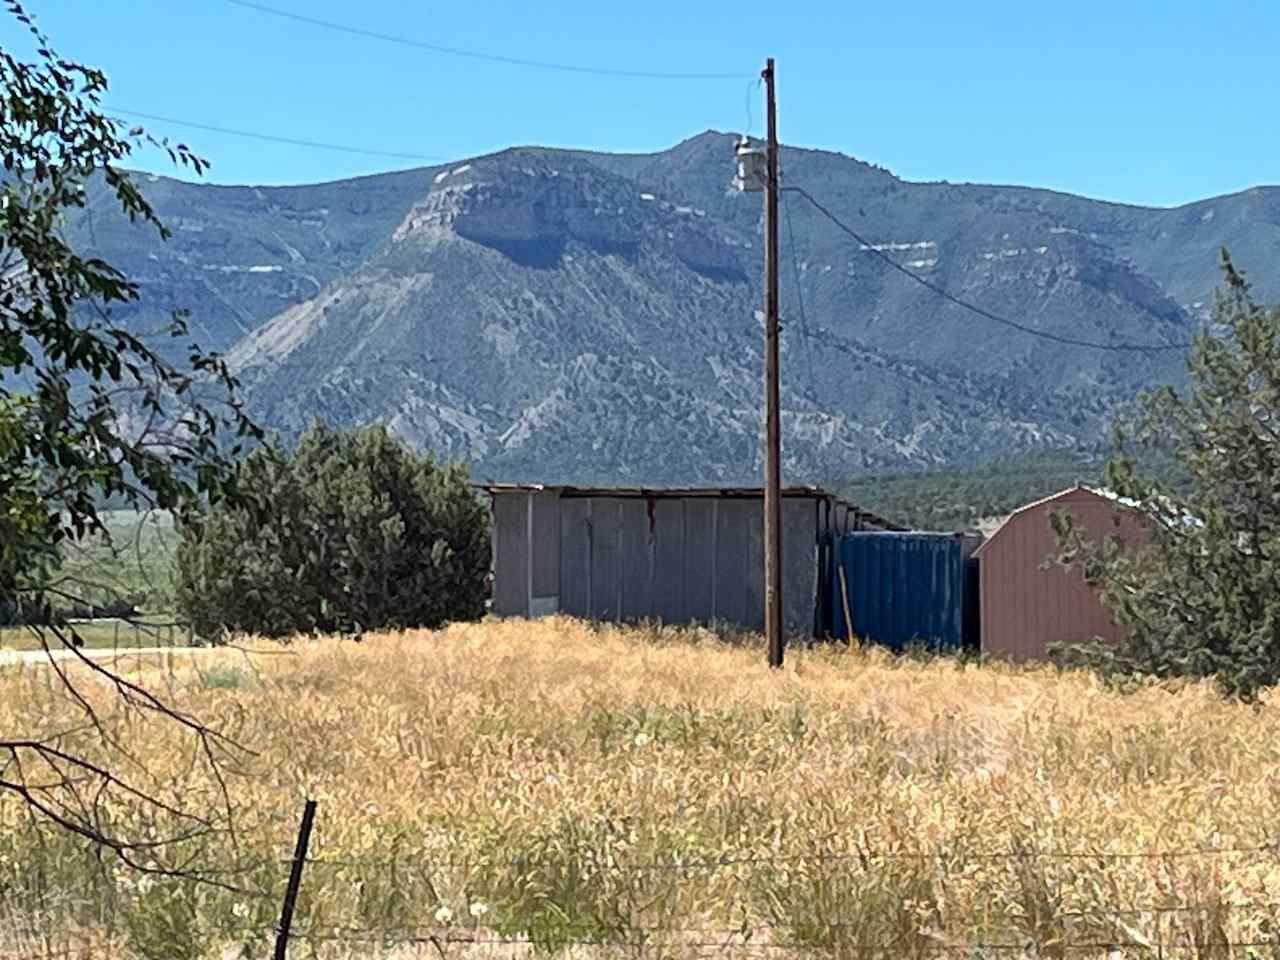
(1203, 598)
(358, 532)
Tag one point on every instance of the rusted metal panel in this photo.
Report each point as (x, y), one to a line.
(1026, 608)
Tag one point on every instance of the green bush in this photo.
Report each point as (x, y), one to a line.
(222, 677)
(359, 532)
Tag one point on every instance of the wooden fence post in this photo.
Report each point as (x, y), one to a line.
(295, 880)
(844, 602)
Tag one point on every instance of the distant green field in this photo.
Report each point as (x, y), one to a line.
(134, 562)
(102, 635)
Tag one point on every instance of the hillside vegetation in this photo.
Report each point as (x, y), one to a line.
(967, 497)
(610, 788)
(553, 315)
(958, 498)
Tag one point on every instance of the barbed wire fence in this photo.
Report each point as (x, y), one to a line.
(747, 938)
(1104, 931)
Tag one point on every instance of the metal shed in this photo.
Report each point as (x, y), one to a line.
(678, 555)
(1025, 608)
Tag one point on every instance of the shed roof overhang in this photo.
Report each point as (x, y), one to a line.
(794, 491)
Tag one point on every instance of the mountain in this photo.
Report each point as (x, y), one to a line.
(569, 316)
(239, 255)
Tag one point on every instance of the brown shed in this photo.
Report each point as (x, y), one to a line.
(1026, 608)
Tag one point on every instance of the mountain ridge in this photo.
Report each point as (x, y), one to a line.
(146, 176)
(558, 314)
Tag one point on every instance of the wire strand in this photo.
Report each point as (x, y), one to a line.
(728, 860)
(271, 138)
(475, 54)
(752, 87)
(412, 930)
(804, 320)
(974, 308)
(740, 947)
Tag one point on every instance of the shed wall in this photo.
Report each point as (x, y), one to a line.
(734, 520)
(800, 585)
(669, 576)
(544, 549)
(635, 558)
(511, 554)
(697, 546)
(681, 559)
(604, 529)
(575, 558)
(905, 588)
(1025, 608)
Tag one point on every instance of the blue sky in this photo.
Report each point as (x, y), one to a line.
(1142, 102)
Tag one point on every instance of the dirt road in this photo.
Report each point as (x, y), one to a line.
(10, 658)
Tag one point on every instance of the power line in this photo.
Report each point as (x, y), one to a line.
(275, 139)
(940, 291)
(752, 87)
(477, 55)
(804, 320)
(974, 308)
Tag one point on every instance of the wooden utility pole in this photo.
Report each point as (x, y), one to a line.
(773, 458)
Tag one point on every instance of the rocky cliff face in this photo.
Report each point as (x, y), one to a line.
(564, 316)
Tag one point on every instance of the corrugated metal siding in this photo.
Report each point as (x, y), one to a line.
(575, 557)
(511, 555)
(605, 532)
(904, 587)
(544, 548)
(669, 579)
(800, 583)
(1025, 608)
(635, 561)
(680, 559)
(733, 543)
(698, 548)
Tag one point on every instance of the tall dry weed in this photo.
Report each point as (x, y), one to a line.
(661, 790)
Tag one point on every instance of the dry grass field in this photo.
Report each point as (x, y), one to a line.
(611, 792)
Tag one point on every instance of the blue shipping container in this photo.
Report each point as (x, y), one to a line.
(906, 588)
